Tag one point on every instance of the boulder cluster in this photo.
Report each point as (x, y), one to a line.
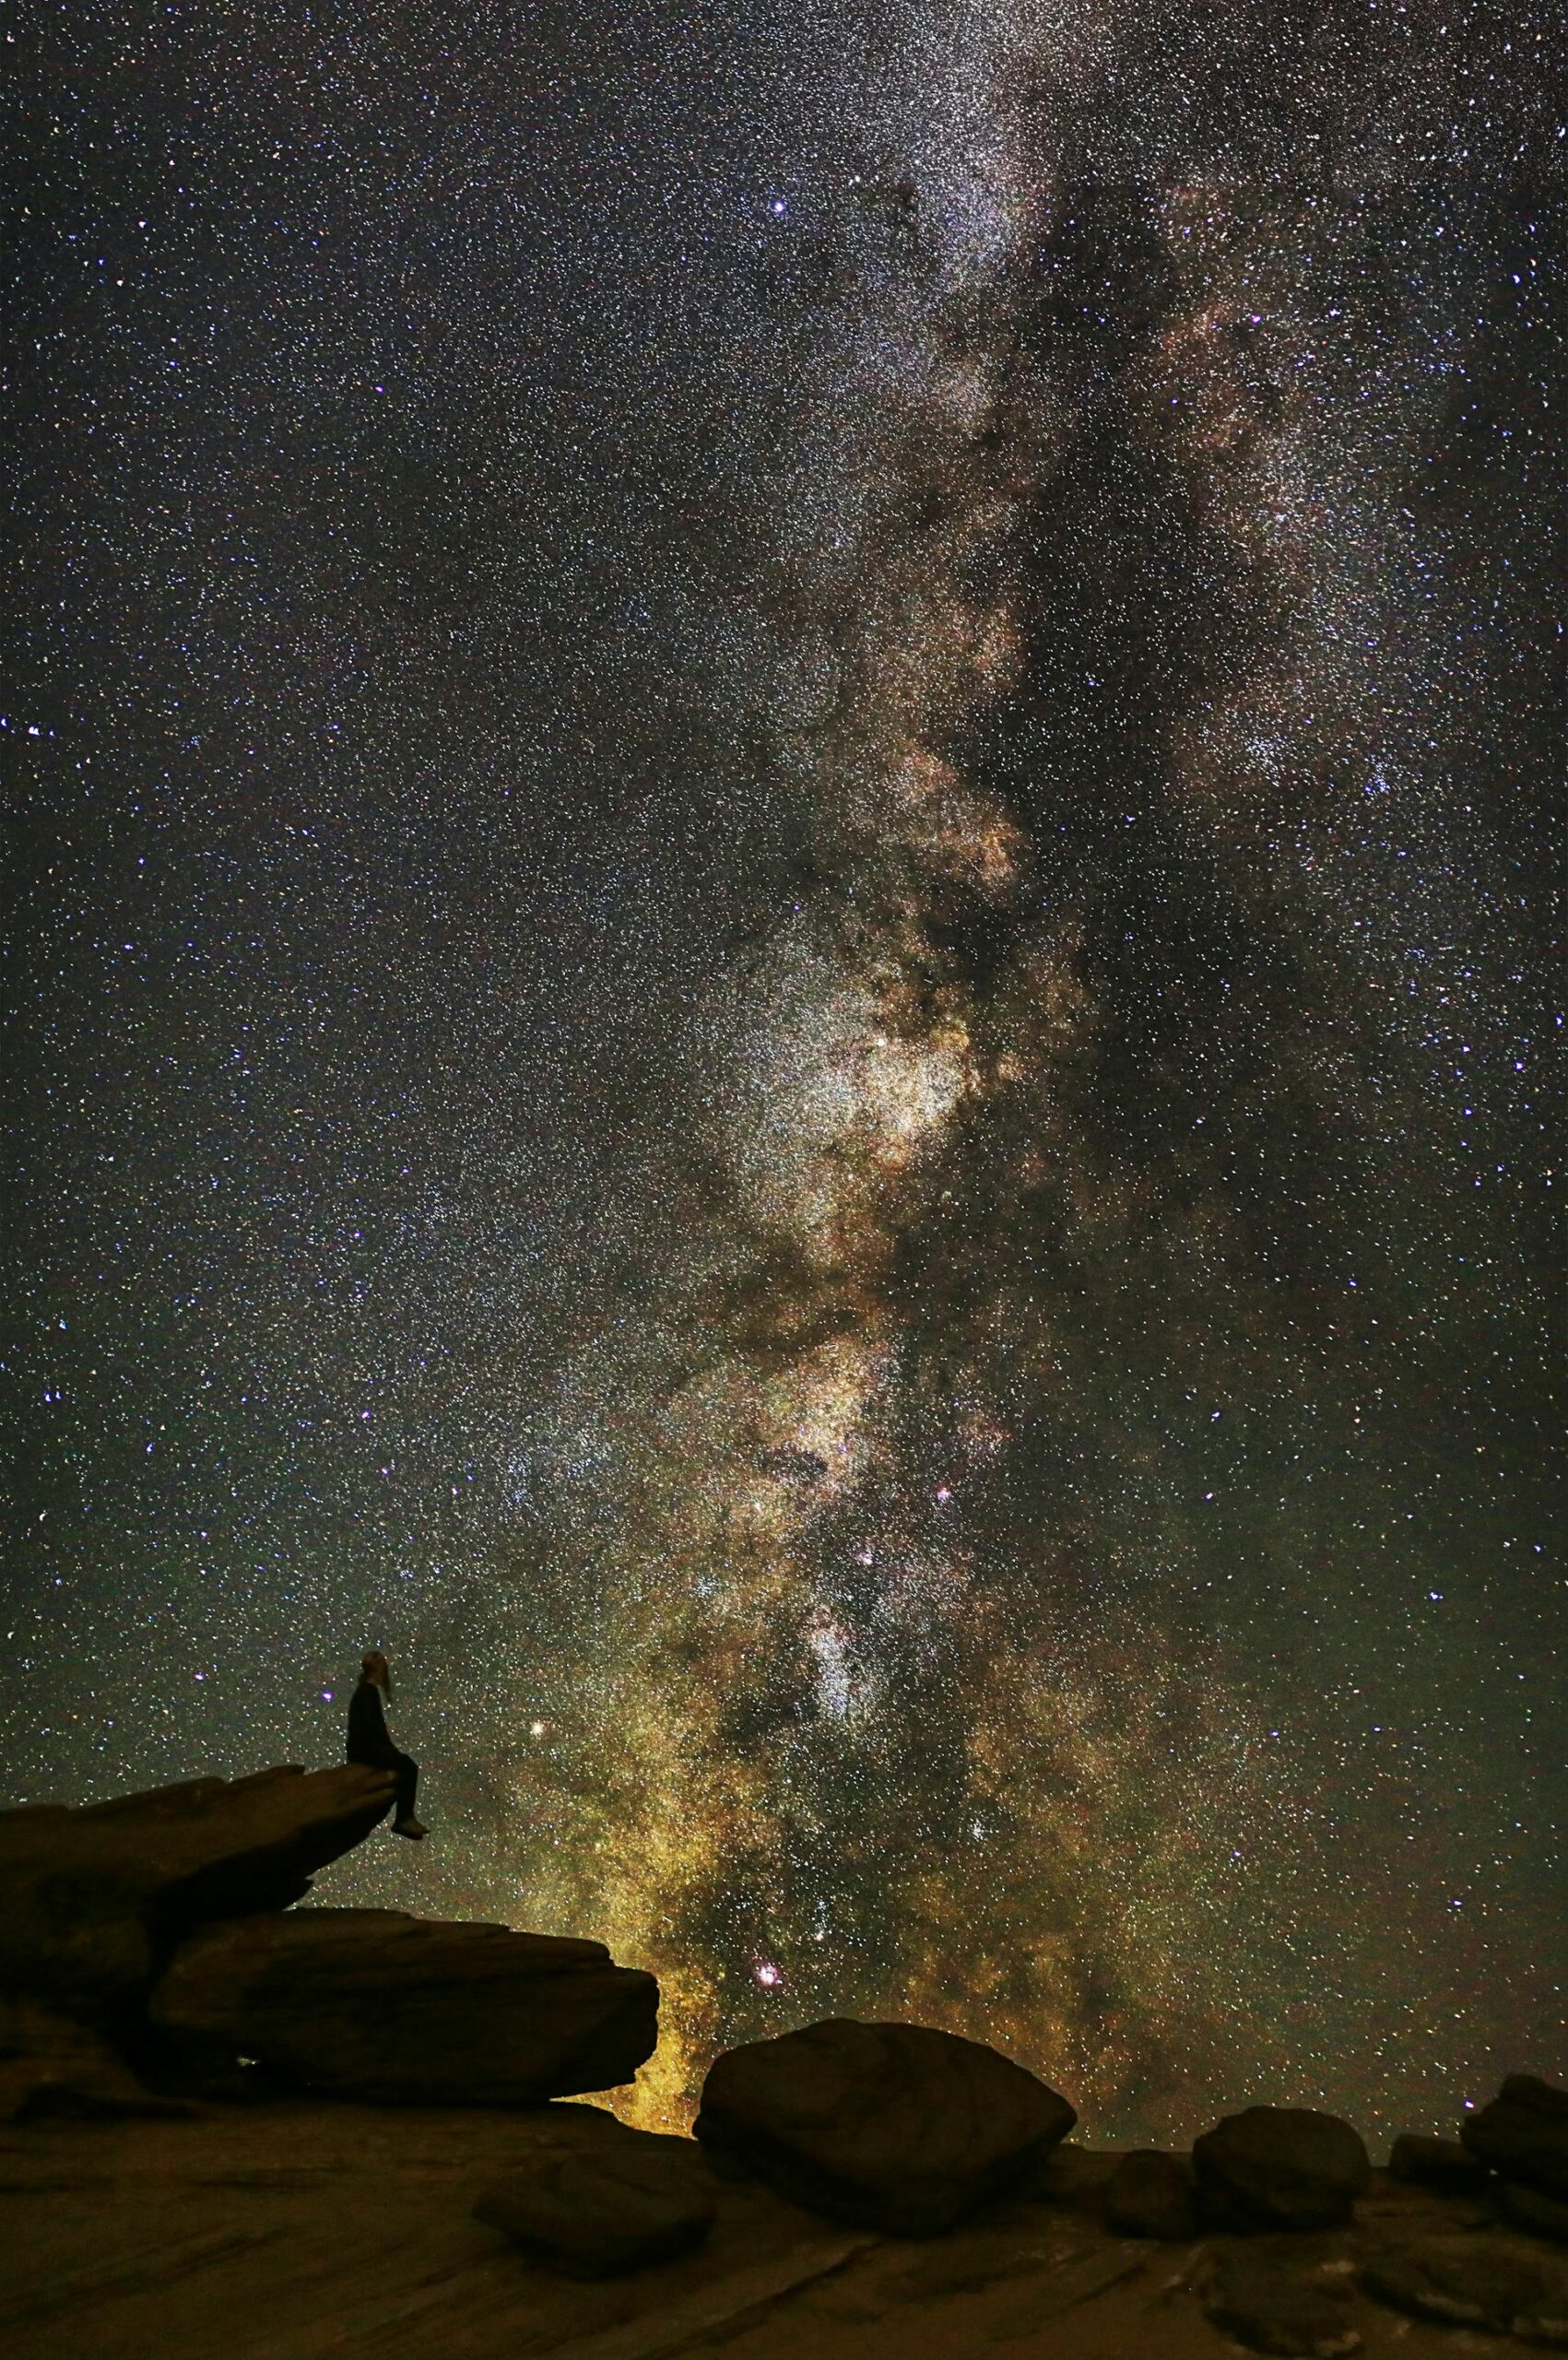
(152, 1953)
(150, 1946)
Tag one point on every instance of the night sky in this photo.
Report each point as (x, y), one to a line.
(784, 795)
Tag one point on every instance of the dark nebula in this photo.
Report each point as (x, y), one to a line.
(787, 789)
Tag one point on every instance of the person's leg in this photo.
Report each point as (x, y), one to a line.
(406, 1771)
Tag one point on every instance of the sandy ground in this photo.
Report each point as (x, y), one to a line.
(289, 2231)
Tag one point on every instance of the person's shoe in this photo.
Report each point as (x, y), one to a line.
(409, 1827)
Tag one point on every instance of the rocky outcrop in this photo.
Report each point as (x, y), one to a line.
(1152, 2195)
(1495, 2282)
(274, 2232)
(1523, 2135)
(1280, 2167)
(368, 2003)
(91, 1900)
(634, 2198)
(893, 2127)
(150, 1943)
(155, 1931)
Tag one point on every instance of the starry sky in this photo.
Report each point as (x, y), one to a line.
(784, 792)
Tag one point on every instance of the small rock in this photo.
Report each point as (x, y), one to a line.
(368, 2003)
(1152, 2195)
(1270, 2309)
(1442, 2164)
(636, 2198)
(1486, 2282)
(1280, 2167)
(1524, 2133)
(893, 2127)
(1532, 2208)
(1069, 2174)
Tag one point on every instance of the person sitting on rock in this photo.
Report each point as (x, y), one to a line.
(370, 1743)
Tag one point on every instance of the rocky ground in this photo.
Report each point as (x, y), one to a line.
(289, 2231)
(234, 2127)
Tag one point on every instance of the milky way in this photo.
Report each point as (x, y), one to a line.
(789, 787)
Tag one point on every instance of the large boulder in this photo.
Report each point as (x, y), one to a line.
(368, 2003)
(633, 2198)
(1280, 2167)
(91, 1900)
(895, 2126)
(1524, 2133)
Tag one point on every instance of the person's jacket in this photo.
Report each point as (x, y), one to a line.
(367, 1739)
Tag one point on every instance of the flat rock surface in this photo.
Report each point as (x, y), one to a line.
(307, 2228)
(1270, 2306)
(370, 2003)
(1496, 2281)
(894, 2126)
(91, 1898)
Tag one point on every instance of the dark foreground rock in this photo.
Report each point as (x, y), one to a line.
(1269, 2307)
(1280, 2167)
(637, 2198)
(1532, 2208)
(368, 2003)
(1442, 2164)
(299, 2225)
(1497, 2282)
(91, 1900)
(1152, 2195)
(52, 2068)
(1524, 2133)
(894, 2126)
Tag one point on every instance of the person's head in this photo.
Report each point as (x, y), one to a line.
(376, 1670)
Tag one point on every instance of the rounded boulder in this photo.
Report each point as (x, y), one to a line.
(1280, 2167)
(894, 2126)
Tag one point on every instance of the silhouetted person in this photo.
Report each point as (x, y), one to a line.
(370, 1742)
